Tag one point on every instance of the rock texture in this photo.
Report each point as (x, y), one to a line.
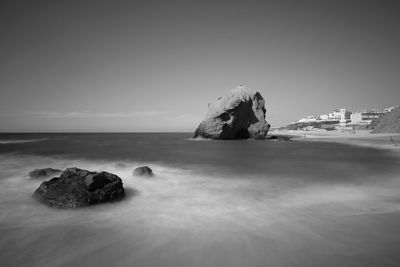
(389, 123)
(239, 115)
(143, 171)
(79, 188)
(44, 173)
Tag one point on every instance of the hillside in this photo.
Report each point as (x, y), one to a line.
(328, 125)
(389, 123)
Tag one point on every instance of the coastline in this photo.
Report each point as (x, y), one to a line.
(252, 202)
(388, 141)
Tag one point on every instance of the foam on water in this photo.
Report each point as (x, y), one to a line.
(15, 141)
(183, 217)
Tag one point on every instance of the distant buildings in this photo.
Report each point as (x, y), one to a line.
(308, 119)
(386, 110)
(324, 117)
(366, 116)
(343, 117)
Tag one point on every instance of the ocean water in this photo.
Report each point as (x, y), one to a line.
(211, 203)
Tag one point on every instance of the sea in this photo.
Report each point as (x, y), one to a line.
(210, 203)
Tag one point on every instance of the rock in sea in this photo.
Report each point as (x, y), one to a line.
(239, 115)
(120, 166)
(143, 171)
(78, 188)
(279, 138)
(44, 173)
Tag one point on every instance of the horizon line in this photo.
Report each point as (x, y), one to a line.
(13, 132)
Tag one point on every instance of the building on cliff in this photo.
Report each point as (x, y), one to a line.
(366, 116)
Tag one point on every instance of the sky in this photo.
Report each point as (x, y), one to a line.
(153, 66)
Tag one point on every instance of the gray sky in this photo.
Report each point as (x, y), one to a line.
(155, 65)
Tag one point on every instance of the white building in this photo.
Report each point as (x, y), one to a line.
(341, 115)
(324, 117)
(386, 110)
(366, 116)
(308, 119)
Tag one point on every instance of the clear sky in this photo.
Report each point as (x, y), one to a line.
(155, 65)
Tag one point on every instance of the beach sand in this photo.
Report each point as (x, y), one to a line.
(364, 138)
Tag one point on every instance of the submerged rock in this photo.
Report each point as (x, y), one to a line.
(120, 166)
(78, 188)
(279, 138)
(143, 171)
(44, 173)
(239, 115)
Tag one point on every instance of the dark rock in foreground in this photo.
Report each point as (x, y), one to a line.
(79, 188)
(239, 115)
(44, 173)
(143, 171)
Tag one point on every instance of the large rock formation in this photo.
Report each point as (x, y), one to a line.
(389, 123)
(239, 115)
(44, 173)
(78, 188)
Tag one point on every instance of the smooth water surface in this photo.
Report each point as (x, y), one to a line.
(211, 203)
